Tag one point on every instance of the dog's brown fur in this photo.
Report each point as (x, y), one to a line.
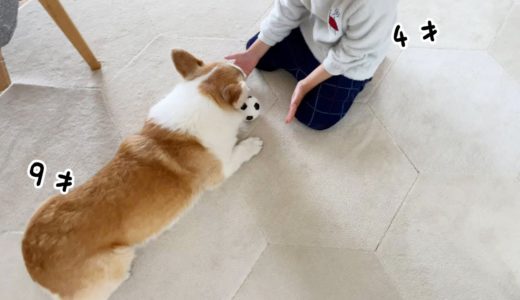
(227, 96)
(222, 85)
(80, 245)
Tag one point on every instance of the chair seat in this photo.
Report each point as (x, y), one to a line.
(8, 15)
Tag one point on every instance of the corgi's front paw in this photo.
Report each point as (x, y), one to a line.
(251, 146)
(243, 151)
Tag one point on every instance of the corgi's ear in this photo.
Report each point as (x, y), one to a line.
(185, 63)
(231, 94)
(226, 95)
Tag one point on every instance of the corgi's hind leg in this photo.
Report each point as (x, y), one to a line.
(105, 273)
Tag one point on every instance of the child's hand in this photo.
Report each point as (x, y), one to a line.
(300, 91)
(316, 77)
(245, 60)
(248, 59)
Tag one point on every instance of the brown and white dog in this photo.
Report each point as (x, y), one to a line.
(81, 245)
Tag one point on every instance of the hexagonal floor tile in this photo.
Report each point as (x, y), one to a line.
(39, 52)
(452, 111)
(505, 48)
(289, 272)
(465, 24)
(338, 188)
(206, 255)
(456, 237)
(203, 18)
(63, 127)
(16, 284)
(152, 75)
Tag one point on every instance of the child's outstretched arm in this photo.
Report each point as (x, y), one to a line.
(284, 17)
(248, 59)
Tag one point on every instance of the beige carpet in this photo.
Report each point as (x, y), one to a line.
(415, 195)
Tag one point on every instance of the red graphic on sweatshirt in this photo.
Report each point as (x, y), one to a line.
(333, 23)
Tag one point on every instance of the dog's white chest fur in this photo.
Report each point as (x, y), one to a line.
(185, 109)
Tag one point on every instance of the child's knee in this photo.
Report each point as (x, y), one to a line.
(316, 120)
(321, 125)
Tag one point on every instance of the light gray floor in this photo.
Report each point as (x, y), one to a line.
(415, 195)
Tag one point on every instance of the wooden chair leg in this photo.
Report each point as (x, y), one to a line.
(5, 81)
(62, 19)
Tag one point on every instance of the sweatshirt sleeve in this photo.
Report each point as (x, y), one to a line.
(367, 37)
(284, 17)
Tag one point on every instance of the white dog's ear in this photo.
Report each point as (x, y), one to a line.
(185, 63)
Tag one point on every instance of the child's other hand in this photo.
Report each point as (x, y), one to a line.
(245, 60)
(316, 77)
(301, 89)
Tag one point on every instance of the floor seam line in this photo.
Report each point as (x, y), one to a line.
(51, 86)
(4, 232)
(506, 71)
(251, 270)
(369, 250)
(393, 139)
(397, 212)
(111, 116)
(446, 48)
(202, 37)
(502, 25)
(134, 58)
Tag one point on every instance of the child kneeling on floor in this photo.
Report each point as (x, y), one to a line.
(332, 47)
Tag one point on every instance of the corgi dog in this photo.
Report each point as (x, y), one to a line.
(81, 245)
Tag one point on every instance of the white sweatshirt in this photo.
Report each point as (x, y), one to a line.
(349, 37)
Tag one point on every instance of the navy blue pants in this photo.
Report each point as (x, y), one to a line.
(328, 102)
